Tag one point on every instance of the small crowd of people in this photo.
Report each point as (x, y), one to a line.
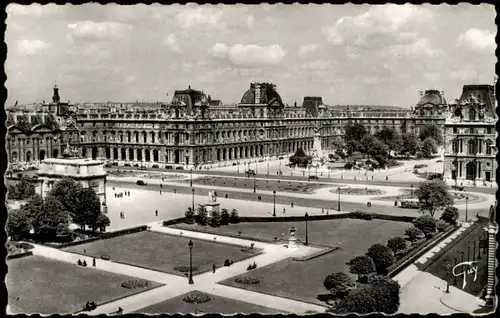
(89, 306)
(84, 263)
(121, 194)
(122, 215)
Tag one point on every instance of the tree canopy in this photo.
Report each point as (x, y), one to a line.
(426, 224)
(382, 257)
(450, 215)
(431, 131)
(361, 266)
(339, 284)
(18, 224)
(411, 144)
(390, 137)
(22, 190)
(433, 196)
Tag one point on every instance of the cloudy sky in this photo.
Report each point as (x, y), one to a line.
(350, 54)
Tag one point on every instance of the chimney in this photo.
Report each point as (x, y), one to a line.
(257, 93)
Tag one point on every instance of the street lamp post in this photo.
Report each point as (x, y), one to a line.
(338, 201)
(254, 184)
(466, 208)
(274, 202)
(268, 168)
(411, 191)
(191, 178)
(190, 262)
(192, 192)
(307, 234)
(455, 277)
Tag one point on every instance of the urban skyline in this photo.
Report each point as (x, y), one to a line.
(108, 53)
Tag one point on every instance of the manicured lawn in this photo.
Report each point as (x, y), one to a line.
(442, 267)
(304, 280)
(41, 285)
(326, 232)
(162, 252)
(247, 183)
(218, 304)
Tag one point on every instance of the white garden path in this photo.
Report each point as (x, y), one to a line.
(207, 282)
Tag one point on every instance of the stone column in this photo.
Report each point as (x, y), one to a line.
(492, 230)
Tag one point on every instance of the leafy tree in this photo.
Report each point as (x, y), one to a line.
(33, 207)
(300, 158)
(396, 244)
(382, 257)
(339, 284)
(64, 191)
(410, 144)
(234, 218)
(361, 266)
(375, 149)
(441, 225)
(388, 292)
(361, 301)
(426, 224)
(224, 217)
(202, 215)
(190, 219)
(18, 224)
(102, 222)
(52, 220)
(429, 147)
(22, 190)
(215, 219)
(431, 131)
(390, 137)
(450, 215)
(433, 195)
(86, 208)
(413, 234)
(354, 132)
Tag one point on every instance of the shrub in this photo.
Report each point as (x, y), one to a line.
(184, 268)
(234, 218)
(202, 216)
(426, 224)
(450, 215)
(382, 257)
(396, 244)
(179, 168)
(215, 219)
(361, 215)
(441, 225)
(135, 283)
(339, 284)
(247, 280)
(168, 167)
(155, 166)
(140, 182)
(224, 217)
(189, 216)
(361, 266)
(413, 234)
(197, 298)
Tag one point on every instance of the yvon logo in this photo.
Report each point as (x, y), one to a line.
(464, 269)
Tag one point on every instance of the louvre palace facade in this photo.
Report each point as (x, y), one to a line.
(194, 131)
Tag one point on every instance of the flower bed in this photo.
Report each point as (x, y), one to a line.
(247, 280)
(135, 283)
(197, 298)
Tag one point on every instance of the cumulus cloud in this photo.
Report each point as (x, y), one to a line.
(90, 30)
(379, 26)
(33, 10)
(249, 55)
(201, 17)
(172, 43)
(307, 49)
(418, 47)
(31, 47)
(477, 40)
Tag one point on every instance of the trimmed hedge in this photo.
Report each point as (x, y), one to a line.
(247, 280)
(174, 221)
(197, 298)
(418, 251)
(19, 255)
(135, 284)
(102, 236)
(184, 268)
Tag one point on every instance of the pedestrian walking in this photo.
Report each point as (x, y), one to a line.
(283, 210)
(160, 192)
(175, 191)
(322, 210)
(396, 203)
(213, 268)
(93, 262)
(291, 204)
(156, 213)
(161, 185)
